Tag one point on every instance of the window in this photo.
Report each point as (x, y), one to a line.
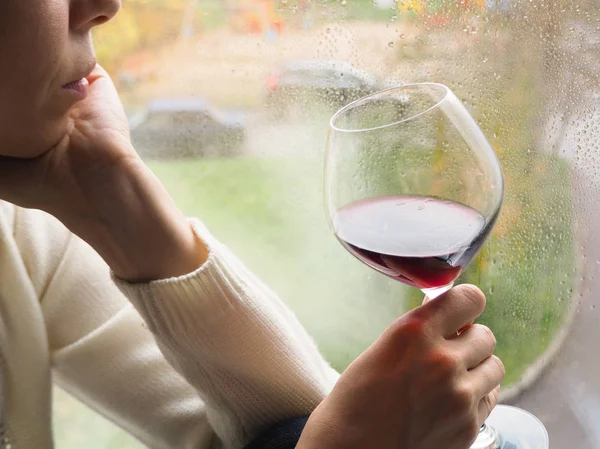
(528, 70)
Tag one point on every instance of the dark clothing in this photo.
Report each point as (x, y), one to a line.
(282, 436)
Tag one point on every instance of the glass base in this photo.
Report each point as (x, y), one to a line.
(517, 429)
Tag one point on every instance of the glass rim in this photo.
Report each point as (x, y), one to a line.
(340, 112)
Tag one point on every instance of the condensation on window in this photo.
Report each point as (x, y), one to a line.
(229, 104)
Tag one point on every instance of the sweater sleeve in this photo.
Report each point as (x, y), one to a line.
(242, 361)
(242, 349)
(100, 348)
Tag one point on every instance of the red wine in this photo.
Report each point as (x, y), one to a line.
(421, 241)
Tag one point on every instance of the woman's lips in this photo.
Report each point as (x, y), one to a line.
(78, 88)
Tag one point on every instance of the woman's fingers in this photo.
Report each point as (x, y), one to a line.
(454, 310)
(474, 345)
(98, 72)
(486, 376)
(487, 404)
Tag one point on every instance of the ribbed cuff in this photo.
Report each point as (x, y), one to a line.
(172, 305)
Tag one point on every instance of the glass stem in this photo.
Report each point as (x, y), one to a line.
(488, 438)
(433, 293)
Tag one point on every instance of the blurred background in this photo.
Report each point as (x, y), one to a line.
(229, 103)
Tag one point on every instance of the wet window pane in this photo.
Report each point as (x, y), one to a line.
(229, 103)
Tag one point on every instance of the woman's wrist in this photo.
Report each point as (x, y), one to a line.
(160, 251)
(138, 230)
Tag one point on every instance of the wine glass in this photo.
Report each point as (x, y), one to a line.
(413, 189)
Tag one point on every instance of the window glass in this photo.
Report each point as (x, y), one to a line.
(273, 71)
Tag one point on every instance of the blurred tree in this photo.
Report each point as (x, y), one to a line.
(117, 39)
(140, 24)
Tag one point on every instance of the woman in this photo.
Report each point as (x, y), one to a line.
(207, 356)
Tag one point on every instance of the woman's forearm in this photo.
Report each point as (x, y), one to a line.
(137, 228)
(250, 359)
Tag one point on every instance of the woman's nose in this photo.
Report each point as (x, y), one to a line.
(86, 14)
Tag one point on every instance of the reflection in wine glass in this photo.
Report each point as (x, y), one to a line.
(413, 190)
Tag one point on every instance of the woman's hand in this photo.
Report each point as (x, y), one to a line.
(420, 386)
(61, 180)
(95, 183)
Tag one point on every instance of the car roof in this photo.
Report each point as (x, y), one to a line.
(325, 64)
(193, 104)
(318, 64)
(178, 104)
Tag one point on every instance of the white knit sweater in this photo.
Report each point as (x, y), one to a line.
(246, 360)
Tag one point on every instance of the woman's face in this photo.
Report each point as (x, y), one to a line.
(45, 52)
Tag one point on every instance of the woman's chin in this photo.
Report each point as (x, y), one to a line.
(24, 154)
(29, 150)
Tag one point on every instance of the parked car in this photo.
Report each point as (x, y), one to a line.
(186, 127)
(305, 83)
